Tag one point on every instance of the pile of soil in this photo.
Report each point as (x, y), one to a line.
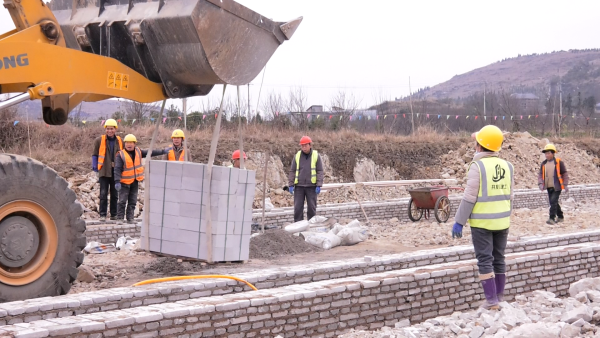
(276, 243)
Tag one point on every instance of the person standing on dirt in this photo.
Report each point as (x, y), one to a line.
(487, 205)
(129, 171)
(103, 163)
(553, 177)
(305, 179)
(176, 152)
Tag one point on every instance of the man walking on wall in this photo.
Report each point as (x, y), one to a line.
(305, 179)
(554, 178)
(487, 205)
(103, 163)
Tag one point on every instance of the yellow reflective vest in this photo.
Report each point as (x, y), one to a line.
(493, 207)
(313, 166)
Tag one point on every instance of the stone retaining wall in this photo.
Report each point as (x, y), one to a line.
(109, 233)
(330, 307)
(128, 297)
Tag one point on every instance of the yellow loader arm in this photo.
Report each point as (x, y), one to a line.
(141, 51)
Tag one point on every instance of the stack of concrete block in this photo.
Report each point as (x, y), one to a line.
(179, 199)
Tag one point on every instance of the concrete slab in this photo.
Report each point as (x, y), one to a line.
(173, 182)
(251, 177)
(192, 197)
(156, 206)
(173, 195)
(189, 223)
(193, 170)
(158, 167)
(174, 168)
(180, 236)
(171, 208)
(243, 176)
(156, 181)
(189, 210)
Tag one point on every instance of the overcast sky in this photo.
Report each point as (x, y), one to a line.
(370, 48)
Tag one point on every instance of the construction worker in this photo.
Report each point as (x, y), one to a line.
(305, 179)
(553, 177)
(103, 163)
(129, 171)
(176, 152)
(487, 205)
(235, 157)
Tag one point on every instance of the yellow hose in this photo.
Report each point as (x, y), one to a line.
(170, 279)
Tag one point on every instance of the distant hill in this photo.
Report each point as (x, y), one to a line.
(91, 111)
(536, 73)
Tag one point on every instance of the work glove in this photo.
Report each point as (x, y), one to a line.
(457, 230)
(318, 190)
(118, 186)
(291, 189)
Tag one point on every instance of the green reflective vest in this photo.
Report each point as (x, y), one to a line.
(313, 166)
(493, 207)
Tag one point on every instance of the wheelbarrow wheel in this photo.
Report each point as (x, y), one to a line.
(414, 213)
(442, 209)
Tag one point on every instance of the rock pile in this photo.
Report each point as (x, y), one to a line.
(524, 152)
(87, 189)
(539, 314)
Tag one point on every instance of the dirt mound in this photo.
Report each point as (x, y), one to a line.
(277, 243)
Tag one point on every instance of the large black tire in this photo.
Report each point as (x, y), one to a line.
(24, 181)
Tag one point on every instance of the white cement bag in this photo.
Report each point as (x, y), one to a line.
(321, 229)
(297, 227)
(268, 205)
(336, 228)
(125, 243)
(318, 219)
(353, 224)
(325, 241)
(351, 236)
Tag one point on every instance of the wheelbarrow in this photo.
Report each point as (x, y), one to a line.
(423, 200)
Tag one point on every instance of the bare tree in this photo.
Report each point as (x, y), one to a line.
(138, 111)
(511, 109)
(273, 105)
(345, 105)
(297, 106)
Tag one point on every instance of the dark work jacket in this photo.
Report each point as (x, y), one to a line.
(563, 173)
(304, 176)
(107, 168)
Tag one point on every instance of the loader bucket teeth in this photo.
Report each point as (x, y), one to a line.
(188, 45)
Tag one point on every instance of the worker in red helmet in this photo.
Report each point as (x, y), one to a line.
(305, 179)
(235, 157)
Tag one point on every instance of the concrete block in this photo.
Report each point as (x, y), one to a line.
(248, 202)
(250, 191)
(233, 241)
(169, 248)
(171, 208)
(235, 214)
(232, 254)
(220, 187)
(218, 254)
(241, 190)
(156, 181)
(189, 210)
(155, 232)
(173, 182)
(234, 175)
(189, 196)
(158, 167)
(189, 223)
(175, 168)
(180, 249)
(245, 248)
(193, 170)
(157, 194)
(251, 177)
(170, 221)
(243, 176)
(218, 228)
(173, 195)
(247, 227)
(180, 236)
(194, 185)
(218, 214)
(154, 244)
(240, 202)
(156, 206)
(156, 219)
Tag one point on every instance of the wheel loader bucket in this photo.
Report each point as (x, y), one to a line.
(188, 45)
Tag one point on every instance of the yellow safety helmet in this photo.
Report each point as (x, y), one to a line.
(549, 147)
(130, 138)
(111, 123)
(490, 137)
(178, 133)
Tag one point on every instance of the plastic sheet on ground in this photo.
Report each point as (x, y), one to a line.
(126, 243)
(97, 247)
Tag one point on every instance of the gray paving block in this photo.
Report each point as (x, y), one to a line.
(181, 236)
(170, 248)
(235, 214)
(154, 244)
(247, 215)
(173, 195)
(232, 254)
(155, 232)
(219, 228)
(175, 168)
(158, 167)
(218, 254)
(193, 170)
(189, 223)
(156, 206)
(156, 180)
(173, 182)
(248, 202)
(243, 176)
(218, 214)
(189, 210)
(247, 227)
(193, 197)
(156, 219)
(156, 194)
(245, 248)
(170, 221)
(251, 177)
(220, 187)
(171, 208)
(194, 185)
(233, 241)
(241, 190)
(234, 175)
(250, 191)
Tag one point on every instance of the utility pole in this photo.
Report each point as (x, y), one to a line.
(185, 150)
(248, 113)
(412, 114)
(560, 110)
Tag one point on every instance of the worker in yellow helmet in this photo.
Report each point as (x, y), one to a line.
(129, 171)
(487, 205)
(176, 151)
(553, 177)
(103, 163)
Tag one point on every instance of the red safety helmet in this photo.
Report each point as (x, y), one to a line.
(305, 140)
(236, 155)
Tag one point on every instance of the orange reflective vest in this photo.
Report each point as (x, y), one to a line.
(560, 179)
(172, 155)
(102, 150)
(132, 171)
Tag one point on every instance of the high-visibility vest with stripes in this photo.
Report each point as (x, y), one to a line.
(558, 174)
(493, 207)
(102, 150)
(171, 155)
(313, 166)
(132, 170)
